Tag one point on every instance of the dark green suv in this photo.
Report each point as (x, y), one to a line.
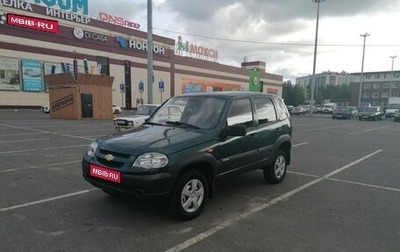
(181, 156)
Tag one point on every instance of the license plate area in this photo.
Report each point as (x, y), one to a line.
(104, 173)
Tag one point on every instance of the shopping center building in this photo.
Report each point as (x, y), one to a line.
(39, 40)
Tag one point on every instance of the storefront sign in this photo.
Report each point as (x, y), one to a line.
(81, 34)
(31, 76)
(39, 24)
(195, 51)
(67, 5)
(117, 20)
(139, 45)
(52, 12)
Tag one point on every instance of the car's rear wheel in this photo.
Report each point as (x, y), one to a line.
(275, 172)
(190, 195)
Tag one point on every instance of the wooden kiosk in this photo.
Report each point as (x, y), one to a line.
(86, 96)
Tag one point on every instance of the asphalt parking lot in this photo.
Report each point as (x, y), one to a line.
(341, 193)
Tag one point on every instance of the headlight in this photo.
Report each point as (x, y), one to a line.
(151, 160)
(92, 149)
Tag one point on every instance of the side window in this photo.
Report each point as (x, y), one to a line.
(241, 113)
(281, 110)
(265, 110)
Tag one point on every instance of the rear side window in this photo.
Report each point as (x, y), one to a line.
(265, 110)
(281, 109)
(241, 113)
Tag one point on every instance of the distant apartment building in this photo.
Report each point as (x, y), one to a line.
(376, 86)
(323, 79)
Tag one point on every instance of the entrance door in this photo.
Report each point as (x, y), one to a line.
(87, 105)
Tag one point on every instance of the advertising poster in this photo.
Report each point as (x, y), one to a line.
(195, 86)
(9, 74)
(254, 81)
(32, 80)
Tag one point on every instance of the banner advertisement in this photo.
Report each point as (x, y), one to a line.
(9, 74)
(32, 76)
(254, 81)
(195, 86)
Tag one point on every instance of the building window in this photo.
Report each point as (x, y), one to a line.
(385, 85)
(377, 76)
(367, 77)
(366, 95)
(375, 95)
(367, 85)
(376, 86)
(385, 94)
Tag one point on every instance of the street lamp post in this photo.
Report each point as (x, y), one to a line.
(391, 76)
(315, 57)
(362, 66)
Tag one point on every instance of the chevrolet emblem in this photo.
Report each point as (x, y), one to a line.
(109, 157)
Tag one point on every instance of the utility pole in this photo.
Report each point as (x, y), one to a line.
(391, 76)
(362, 67)
(150, 76)
(313, 82)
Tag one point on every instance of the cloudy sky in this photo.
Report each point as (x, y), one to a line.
(279, 32)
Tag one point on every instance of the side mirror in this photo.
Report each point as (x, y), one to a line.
(236, 130)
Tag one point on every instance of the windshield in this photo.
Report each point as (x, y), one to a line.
(371, 109)
(146, 110)
(193, 111)
(394, 106)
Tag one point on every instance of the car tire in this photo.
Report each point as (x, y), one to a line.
(116, 111)
(333, 118)
(189, 196)
(359, 118)
(276, 172)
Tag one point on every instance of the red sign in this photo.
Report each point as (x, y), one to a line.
(39, 24)
(117, 20)
(103, 173)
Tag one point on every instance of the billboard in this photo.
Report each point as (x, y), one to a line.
(32, 76)
(9, 74)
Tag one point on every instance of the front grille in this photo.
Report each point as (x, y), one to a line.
(118, 160)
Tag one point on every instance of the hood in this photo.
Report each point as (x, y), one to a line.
(147, 138)
(132, 117)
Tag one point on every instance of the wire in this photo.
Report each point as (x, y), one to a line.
(263, 43)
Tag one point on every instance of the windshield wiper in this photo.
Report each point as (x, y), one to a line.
(182, 123)
(151, 123)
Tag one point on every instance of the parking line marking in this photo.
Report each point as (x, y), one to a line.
(368, 130)
(247, 214)
(299, 144)
(46, 132)
(367, 185)
(25, 140)
(47, 200)
(19, 151)
(40, 166)
(330, 127)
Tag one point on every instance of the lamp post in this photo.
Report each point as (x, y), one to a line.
(315, 57)
(150, 75)
(362, 67)
(391, 76)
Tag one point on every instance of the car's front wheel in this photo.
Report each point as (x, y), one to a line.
(190, 195)
(275, 173)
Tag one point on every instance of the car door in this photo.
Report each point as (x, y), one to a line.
(268, 129)
(239, 153)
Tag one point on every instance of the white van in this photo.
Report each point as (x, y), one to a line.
(329, 107)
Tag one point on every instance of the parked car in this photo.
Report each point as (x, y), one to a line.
(132, 121)
(218, 134)
(345, 112)
(317, 109)
(328, 108)
(45, 108)
(371, 113)
(397, 116)
(116, 109)
(298, 111)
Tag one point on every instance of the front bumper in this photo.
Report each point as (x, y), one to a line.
(137, 185)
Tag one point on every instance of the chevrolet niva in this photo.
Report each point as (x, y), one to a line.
(181, 157)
